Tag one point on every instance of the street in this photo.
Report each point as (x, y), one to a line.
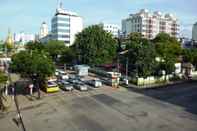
(107, 109)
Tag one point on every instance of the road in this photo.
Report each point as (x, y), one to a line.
(108, 109)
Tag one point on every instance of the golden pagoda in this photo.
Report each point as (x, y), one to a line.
(9, 43)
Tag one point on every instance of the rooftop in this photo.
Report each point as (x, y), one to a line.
(61, 10)
(145, 12)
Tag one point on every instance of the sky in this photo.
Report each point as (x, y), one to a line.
(27, 15)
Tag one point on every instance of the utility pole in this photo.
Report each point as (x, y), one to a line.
(127, 64)
(118, 63)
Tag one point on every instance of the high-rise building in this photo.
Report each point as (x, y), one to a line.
(194, 32)
(111, 28)
(150, 24)
(65, 25)
(43, 30)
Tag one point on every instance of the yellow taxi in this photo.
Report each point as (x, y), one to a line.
(51, 86)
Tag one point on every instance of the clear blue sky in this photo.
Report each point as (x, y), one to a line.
(27, 15)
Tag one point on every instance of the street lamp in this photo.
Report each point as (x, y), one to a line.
(127, 64)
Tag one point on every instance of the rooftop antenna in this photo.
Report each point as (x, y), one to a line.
(61, 5)
(58, 4)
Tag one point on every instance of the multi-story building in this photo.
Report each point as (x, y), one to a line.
(23, 38)
(111, 28)
(194, 32)
(43, 30)
(150, 24)
(65, 25)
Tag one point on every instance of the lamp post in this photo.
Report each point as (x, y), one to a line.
(127, 65)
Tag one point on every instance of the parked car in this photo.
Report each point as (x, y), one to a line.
(80, 86)
(74, 81)
(62, 75)
(95, 83)
(51, 86)
(66, 86)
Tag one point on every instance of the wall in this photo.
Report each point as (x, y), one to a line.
(76, 26)
(152, 80)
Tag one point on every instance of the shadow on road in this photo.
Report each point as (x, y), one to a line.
(183, 94)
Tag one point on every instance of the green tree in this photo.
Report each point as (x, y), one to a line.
(35, 46)
(3, 80)
(168, 49)
(194, 62)
(55, 48)
(95, 46)
(33, 65)
(190, 55)
(68, 56)
(141, 55)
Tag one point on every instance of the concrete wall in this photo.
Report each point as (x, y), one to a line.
(152, 80)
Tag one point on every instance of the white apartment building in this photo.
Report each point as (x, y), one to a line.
(65, 25)
(194, 32)
(111, 28)
(43, 30)
(150, 24)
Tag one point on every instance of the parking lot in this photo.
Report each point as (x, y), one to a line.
(105, 109)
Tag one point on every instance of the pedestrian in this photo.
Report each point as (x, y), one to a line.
(31, 86)
(13, 90)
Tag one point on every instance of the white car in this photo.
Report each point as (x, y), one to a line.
(66, 86)
(81, 87)
(95, 83)
(62, 75)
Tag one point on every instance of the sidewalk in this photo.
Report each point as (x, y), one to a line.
(23, 101)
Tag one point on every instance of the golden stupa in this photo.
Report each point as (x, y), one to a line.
(9, 43)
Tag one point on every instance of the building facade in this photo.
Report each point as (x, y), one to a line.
(194, 32)
(65, 25)
(43, 30)
(111, 28)
(150, 24)
(23, 38)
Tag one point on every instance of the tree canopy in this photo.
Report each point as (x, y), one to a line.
(141, 55)
(68, 56)
(55, 48)
(52, 48)
(190, 55)
(168, 49)
(33, 65)
(95, 46)
(35, 46)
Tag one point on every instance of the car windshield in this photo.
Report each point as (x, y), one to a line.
(51, 84)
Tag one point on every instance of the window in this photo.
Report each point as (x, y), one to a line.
(60, 30)
(60, 24)
(63, 36)
(60, 19)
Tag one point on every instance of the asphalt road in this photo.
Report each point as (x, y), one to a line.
(167, 109)
(184, 95)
